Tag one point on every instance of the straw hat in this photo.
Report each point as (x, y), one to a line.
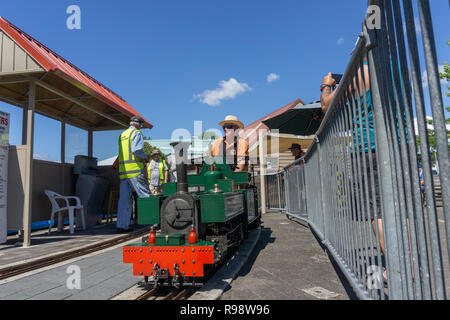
(232, 120)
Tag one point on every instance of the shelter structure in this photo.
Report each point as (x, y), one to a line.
(38, 80)
(271, 147)
(275, 143)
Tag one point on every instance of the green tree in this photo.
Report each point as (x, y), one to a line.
(446, 76)
(148, 149)
(209, 135)
(431, 137)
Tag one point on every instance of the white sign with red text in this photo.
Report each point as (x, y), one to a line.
(4, 149)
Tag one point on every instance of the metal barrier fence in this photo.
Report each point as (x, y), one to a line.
(359, 186)
(295, 190)
(275, 188)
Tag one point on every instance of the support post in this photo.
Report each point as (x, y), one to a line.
(90, 143)
(28, 188)
(63, 155)
(24, 124)
(63, 142)
(262, 171)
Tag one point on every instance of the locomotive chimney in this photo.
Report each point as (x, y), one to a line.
(181, 149)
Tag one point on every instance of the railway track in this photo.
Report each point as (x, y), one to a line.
(168, 294)
(15, 270)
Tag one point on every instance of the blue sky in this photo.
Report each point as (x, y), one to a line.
(164, 56)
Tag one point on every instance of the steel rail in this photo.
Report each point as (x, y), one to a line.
(156, 294)
(148, 295)
(48, 261)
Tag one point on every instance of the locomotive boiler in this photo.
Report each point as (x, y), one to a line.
(198, 229)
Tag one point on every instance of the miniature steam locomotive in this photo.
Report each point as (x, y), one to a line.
(198, 229)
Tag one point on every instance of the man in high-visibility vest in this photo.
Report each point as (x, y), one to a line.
(157, 173)
(131, 171)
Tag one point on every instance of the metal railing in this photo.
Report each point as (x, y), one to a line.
(360, 188)
(295, 190)
(275, 188)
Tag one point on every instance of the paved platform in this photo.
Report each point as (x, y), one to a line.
(282, 260)
(44, 245)
(288, 263)
(102, 276)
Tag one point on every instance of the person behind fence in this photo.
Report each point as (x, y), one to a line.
(131, 171)
(297, 151)
(157, 173)
(366, 143)
(327, 94)
(422, 182)
(232, 146)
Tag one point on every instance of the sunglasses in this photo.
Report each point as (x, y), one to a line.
(230, 126)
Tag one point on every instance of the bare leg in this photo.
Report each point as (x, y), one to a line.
(380, 229)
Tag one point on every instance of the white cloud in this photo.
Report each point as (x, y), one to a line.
(417, 23)
(272, 77)
(340, 41)
(425, 77)
(227, 90)
(39, 156)
(417, 26)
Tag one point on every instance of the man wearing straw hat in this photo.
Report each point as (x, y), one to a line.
(231, 145)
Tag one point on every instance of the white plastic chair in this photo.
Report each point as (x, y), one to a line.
(57, 208)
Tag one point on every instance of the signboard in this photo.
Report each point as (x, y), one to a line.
(4, 148)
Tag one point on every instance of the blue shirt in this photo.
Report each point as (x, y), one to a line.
(356, 121)
(357, 124)
(137, 144)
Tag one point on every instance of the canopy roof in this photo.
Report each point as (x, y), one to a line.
(300, 120)
(251, 132)
(63, 91)
(277, 141)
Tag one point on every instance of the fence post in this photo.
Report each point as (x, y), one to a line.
(437, 108)
(286, 191)
(262, 172)
(322, 192)
(375, 50)
(279, 190)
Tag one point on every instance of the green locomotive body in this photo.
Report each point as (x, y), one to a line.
(221, 210)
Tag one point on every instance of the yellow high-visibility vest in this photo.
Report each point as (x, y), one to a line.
(129, 165)
(162, 169)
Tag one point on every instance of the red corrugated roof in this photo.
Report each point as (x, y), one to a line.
(252, 130)
(51, 61)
